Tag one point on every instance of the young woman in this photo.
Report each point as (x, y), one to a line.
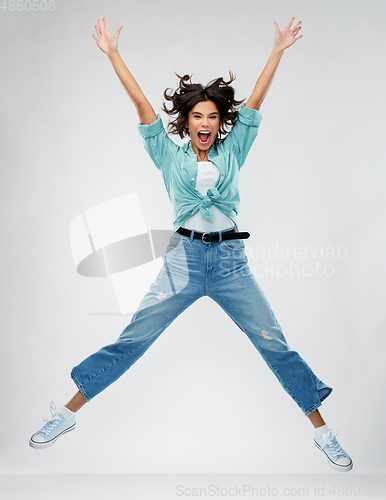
(205, 255)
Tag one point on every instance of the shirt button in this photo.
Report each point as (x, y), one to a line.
(192, 178)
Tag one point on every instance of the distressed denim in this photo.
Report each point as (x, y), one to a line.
(193, 269)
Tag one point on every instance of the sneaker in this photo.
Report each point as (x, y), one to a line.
(336, 456)
(55, 427)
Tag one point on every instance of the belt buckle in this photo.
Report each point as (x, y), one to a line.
(202, 238)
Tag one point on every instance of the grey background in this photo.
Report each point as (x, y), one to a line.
(201, 400)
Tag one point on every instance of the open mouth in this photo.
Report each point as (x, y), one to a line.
(204, 137)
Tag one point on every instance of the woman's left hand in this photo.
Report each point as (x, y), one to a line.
(287, 37)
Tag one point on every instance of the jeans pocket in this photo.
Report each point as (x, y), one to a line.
(234, 245)
(177, 242)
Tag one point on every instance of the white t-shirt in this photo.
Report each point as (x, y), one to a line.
(207, 175)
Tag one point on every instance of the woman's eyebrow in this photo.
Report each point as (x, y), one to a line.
(210, 114)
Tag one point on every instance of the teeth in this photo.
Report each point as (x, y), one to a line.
(204, 139)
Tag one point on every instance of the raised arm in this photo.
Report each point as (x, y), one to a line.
(109, 45)
(283, 40)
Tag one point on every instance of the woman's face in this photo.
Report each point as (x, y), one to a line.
(203, 125)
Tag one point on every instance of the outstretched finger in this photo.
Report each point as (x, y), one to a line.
(118, 32)
(291, 21)
(100, 26)
(106, 25)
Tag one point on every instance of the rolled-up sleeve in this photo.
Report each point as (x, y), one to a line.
(250, 117)
(157, 142)
(151, 130)
(244, 132)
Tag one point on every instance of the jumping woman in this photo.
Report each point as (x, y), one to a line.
(205, 255)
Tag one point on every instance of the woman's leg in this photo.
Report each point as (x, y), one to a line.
(76, 402)
(316, 419)
(171, 293)
(235, 289)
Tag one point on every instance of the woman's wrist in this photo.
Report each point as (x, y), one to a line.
(277, 51)
(114, 55)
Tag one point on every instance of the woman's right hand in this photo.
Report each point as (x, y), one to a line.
(106, 41)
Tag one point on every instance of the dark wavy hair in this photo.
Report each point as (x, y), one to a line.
(188, 94)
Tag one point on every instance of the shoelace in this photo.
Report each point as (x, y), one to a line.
(330, 440)
(51, 422)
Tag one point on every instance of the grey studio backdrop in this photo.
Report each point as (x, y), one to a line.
(201, 399)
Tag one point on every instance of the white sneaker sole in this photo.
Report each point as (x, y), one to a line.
(47, 444)
(340, 468)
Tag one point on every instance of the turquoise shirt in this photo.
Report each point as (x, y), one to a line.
(178, 166)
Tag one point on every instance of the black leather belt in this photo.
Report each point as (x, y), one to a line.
(232, 234)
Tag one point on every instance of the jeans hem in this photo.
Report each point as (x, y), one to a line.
(290, 393)
(79, 386)
(317, 405)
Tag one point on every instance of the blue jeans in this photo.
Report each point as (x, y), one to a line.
(191, 270)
